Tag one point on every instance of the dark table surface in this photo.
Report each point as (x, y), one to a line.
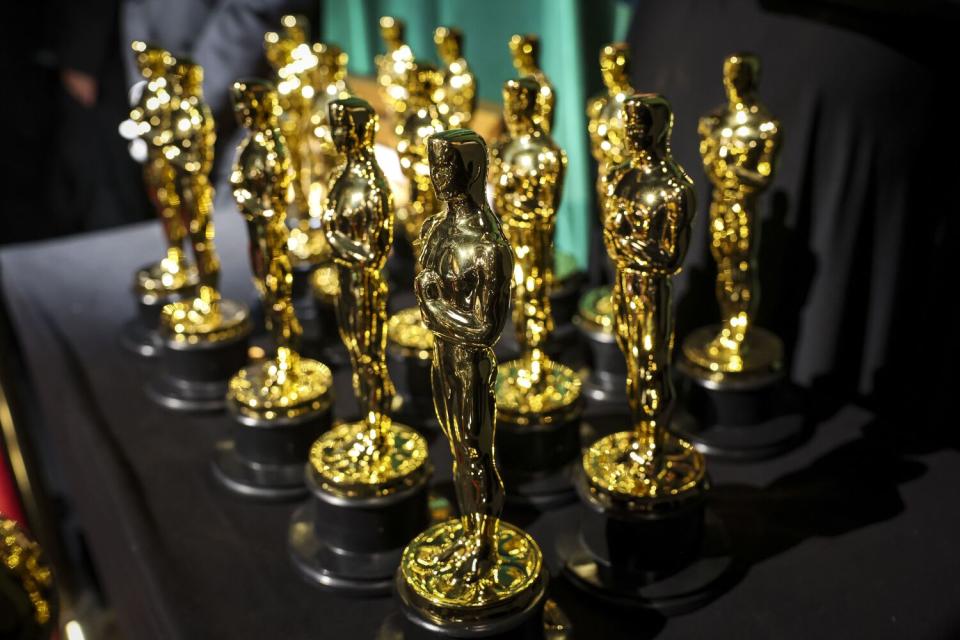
(843, 537)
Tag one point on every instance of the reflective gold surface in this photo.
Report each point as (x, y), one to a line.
(525, 51)
(596, 309)
(407, 331)
(527, 171)
(430, 562)
(23, 558)
(296, 66)
(605, 111)
(325, 281)
(420, 121)
(392, 67)
(739, 142)
(329, 83)
(648, 206)
(189, 150)
(153, 117)
(456, 98)
(284, 385)
(463, 289)
(375, 455)
(350, 462)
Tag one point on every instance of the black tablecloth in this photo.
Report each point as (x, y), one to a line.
(844, 537)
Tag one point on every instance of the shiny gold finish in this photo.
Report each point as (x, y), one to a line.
(375, 455)
(284, 385)
(329, 83)
(464, 292)
(605, 111)
(525, 51)
(596, 309)
(420, 121)
(153, 115)
(456, 98)
(430, 566)
(325, 281)
(527, 171)
(407, 331)
(23, 558)
(739, 143)
(295, 64)
(189, 150)
(393, 66)
(648, 207)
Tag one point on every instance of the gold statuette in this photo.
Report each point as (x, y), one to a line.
(457, 97)
(153, 116)
(329, 82)
(374, 456)
(393, 66)
(648, 207)
(739, 143)
(205, 318)
(605, 111)
(527, 177)
(525, 51)
(295, 65)
(27, 586)
(467, 572)
(284, 385)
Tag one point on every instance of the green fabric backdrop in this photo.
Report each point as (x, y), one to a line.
(571, 34)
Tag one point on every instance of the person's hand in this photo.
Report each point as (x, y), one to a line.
(81, 86)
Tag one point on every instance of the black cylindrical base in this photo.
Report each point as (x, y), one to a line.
(526, 623)
(673, 562)
(535, 460)
(139, 335)
(411, 377)
(194, 377)
(744, 417)
(264, 459)
(353, 545)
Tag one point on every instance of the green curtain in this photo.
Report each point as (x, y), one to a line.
(571, 34)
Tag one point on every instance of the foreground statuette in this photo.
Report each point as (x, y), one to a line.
(733, 374)
(204, 338)
(474, 575)
(538, 399)
(642, 533)
(368, 478)
(173, 278)
(281, 403)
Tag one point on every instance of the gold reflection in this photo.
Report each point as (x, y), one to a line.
(463, 289)
(374, 455)
(456, 97)
(153, 117)
(393, 66)
(527, 171)
(283, 385)
(648, 206)
(739, 142)
(525, 51)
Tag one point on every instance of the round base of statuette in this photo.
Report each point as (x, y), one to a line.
(671, 563)
(553, 624)
(139, 340)
(264, 459)
(607, 382)
(436, 598)
(536, 461)
(750, 416)
(193, 377)
(353, 546)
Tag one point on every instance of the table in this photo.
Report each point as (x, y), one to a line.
(843, 537)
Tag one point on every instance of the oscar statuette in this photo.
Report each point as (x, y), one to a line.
(282, 402)
(644, 536)
(457, 96)
(392, 68)
(29, 606)
(733, 374)
(564, 289)
(410, 343)
(172, 278)
(368, 479)
(539, 400)
(204, 338)
(595, 310)
(296, 66)
(475, 575)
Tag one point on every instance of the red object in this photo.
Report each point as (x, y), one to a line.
(10, 506)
